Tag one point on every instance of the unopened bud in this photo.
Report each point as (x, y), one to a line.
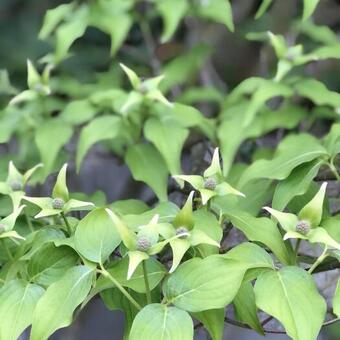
(303, 227)
(210, 183)
(143, 243)
(182, 232)
(58, 203)
(15, 185)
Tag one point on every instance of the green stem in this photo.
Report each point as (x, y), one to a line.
(146, 281)
(296, 250)
(69, 230)
(333, 169)
(318, 260)
(29, 223)
(209, 205)
(104, 272)
(8, 251)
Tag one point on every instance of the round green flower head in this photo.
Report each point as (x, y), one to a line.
(303, 227)
(143, 243)
(182, 232)
(15, 185)
(58, 203)
(143, 89)
(210, 183)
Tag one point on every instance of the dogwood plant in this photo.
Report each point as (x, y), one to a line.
(235, 205)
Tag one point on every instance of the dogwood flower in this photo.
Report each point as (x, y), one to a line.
(14, 186)
(60, 202)
(306, 224)
(212, 183)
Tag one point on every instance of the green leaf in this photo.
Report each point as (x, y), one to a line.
(99, 129)
(312, 211)
(217, 10)
(332, 140)
(317, 92)
(96, 236)
(38, 239)
(263, 8)
(78, 112)
(250, 255)
(60, 188)
(287, 221)
(119, 270)
(136, 257)
(168, 137)
(18, 301)
(213, 322)
(172, 12)
(296, 184)
(50, 137)
(199, 285)
(53, 17)
(49, 263)
(139, 157)
(261, 230)
(134, 79)
(70, 31)
(166, 211)
(184, 68)
(279, 44)
(316, 235)
(189, 116)
(185, 215)
(128, 237)
(292, 151)
(110, 18)
(267, 90)
(129, 206)
(160, 322)
(245, 307)
(33, 77)
(290, 295)
(308, 8)
(115, 300)
(266, 120)
(336, 300)
(55, 309)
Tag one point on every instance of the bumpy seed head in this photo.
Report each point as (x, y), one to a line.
(143, 243)
(182, 232)
(303, 227)
(210, 183)
(143, 89)
(58, 203)
(15, 185)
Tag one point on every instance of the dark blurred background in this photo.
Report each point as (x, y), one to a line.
(234, 59)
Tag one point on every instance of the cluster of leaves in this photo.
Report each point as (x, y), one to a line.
(167, 265)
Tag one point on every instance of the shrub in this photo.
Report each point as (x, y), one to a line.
(171, 266)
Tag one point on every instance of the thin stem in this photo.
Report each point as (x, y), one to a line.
(333, 169)
(104, 272)
(296, 249)
(69, 229)
(209, 205)
(150, 45)
(8, 251)
(29, 223)
(318, 260)
(331, 322)
(297, 246)
(146, 281)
